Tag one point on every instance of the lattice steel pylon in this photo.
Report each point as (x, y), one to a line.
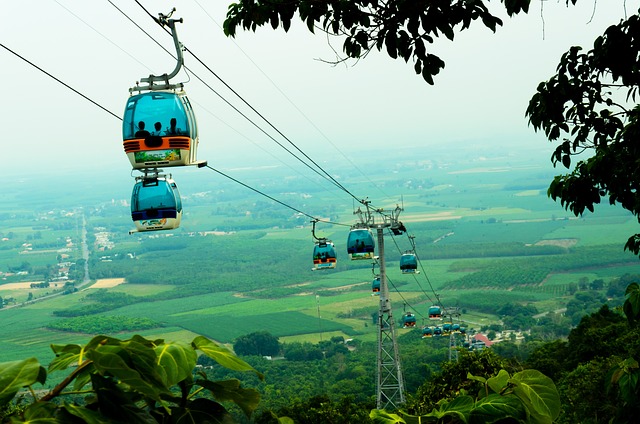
(452, 313)
(390, 383)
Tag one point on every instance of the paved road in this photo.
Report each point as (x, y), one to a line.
(85, 281)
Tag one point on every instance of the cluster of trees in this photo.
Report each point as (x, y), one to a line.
(592, 376)
(111, 324)
(97, 301)
(24, 266)
(486, 250)
(312, 351)
(533, 270)
(599, 356)
(260, 343)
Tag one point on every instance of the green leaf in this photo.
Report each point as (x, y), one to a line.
(133, 361)
(41, 413)
(230, 390)
(632, 293)
(110, 363)
(390, 42)
(495, 407)
(66, 355)
(499, 382)
(200, 410)
(222, 356)
(539, 395)
(459, 408)
(15, 375)
(476, 378)
(380, 416)
(87, 415)
(177, 360)
(118, 405)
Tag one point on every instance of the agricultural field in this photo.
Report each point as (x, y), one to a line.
(485, 233)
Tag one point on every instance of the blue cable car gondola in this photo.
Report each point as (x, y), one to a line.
(375, 286)
(437, 331)
(409, 263)
(435, 312)
(360, 244)
(408, 320)
(324, 255)
(159, 129)
(455, 328)
(155, 204)
(427, 332)
(446, 329)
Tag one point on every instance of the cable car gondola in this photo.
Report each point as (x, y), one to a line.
(408, 320)
(159, 129)
(427, 332)
(435, 312)
(324, 255)
(446, 329)
(409, 263)
(360, 244)
(155, 204)
(375, 286)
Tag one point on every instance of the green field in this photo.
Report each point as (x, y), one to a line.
(483, 238)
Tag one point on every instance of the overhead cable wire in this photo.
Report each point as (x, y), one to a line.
(414, 276)
(213, 169)
(295, 106)
(102, 35)
(330, 179)
(438, 301)
(319, 168)
(274, 199)
(406, 302)
(60, 81)
(338, 184)
(200, 106)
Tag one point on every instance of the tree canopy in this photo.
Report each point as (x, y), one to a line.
(590, 106)
(258, 343)
(403, 28)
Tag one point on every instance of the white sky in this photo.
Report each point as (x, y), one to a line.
(479, 99)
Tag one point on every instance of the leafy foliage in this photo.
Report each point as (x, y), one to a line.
(595, 370)
(132, 381)
(320, 409)
(583, 106)
(453, 380)
(402, 28)
(631, 305)
(527, 397)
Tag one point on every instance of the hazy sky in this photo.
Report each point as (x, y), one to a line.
(479, 99)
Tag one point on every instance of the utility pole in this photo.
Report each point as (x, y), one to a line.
(390, 383)
(319, 318)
